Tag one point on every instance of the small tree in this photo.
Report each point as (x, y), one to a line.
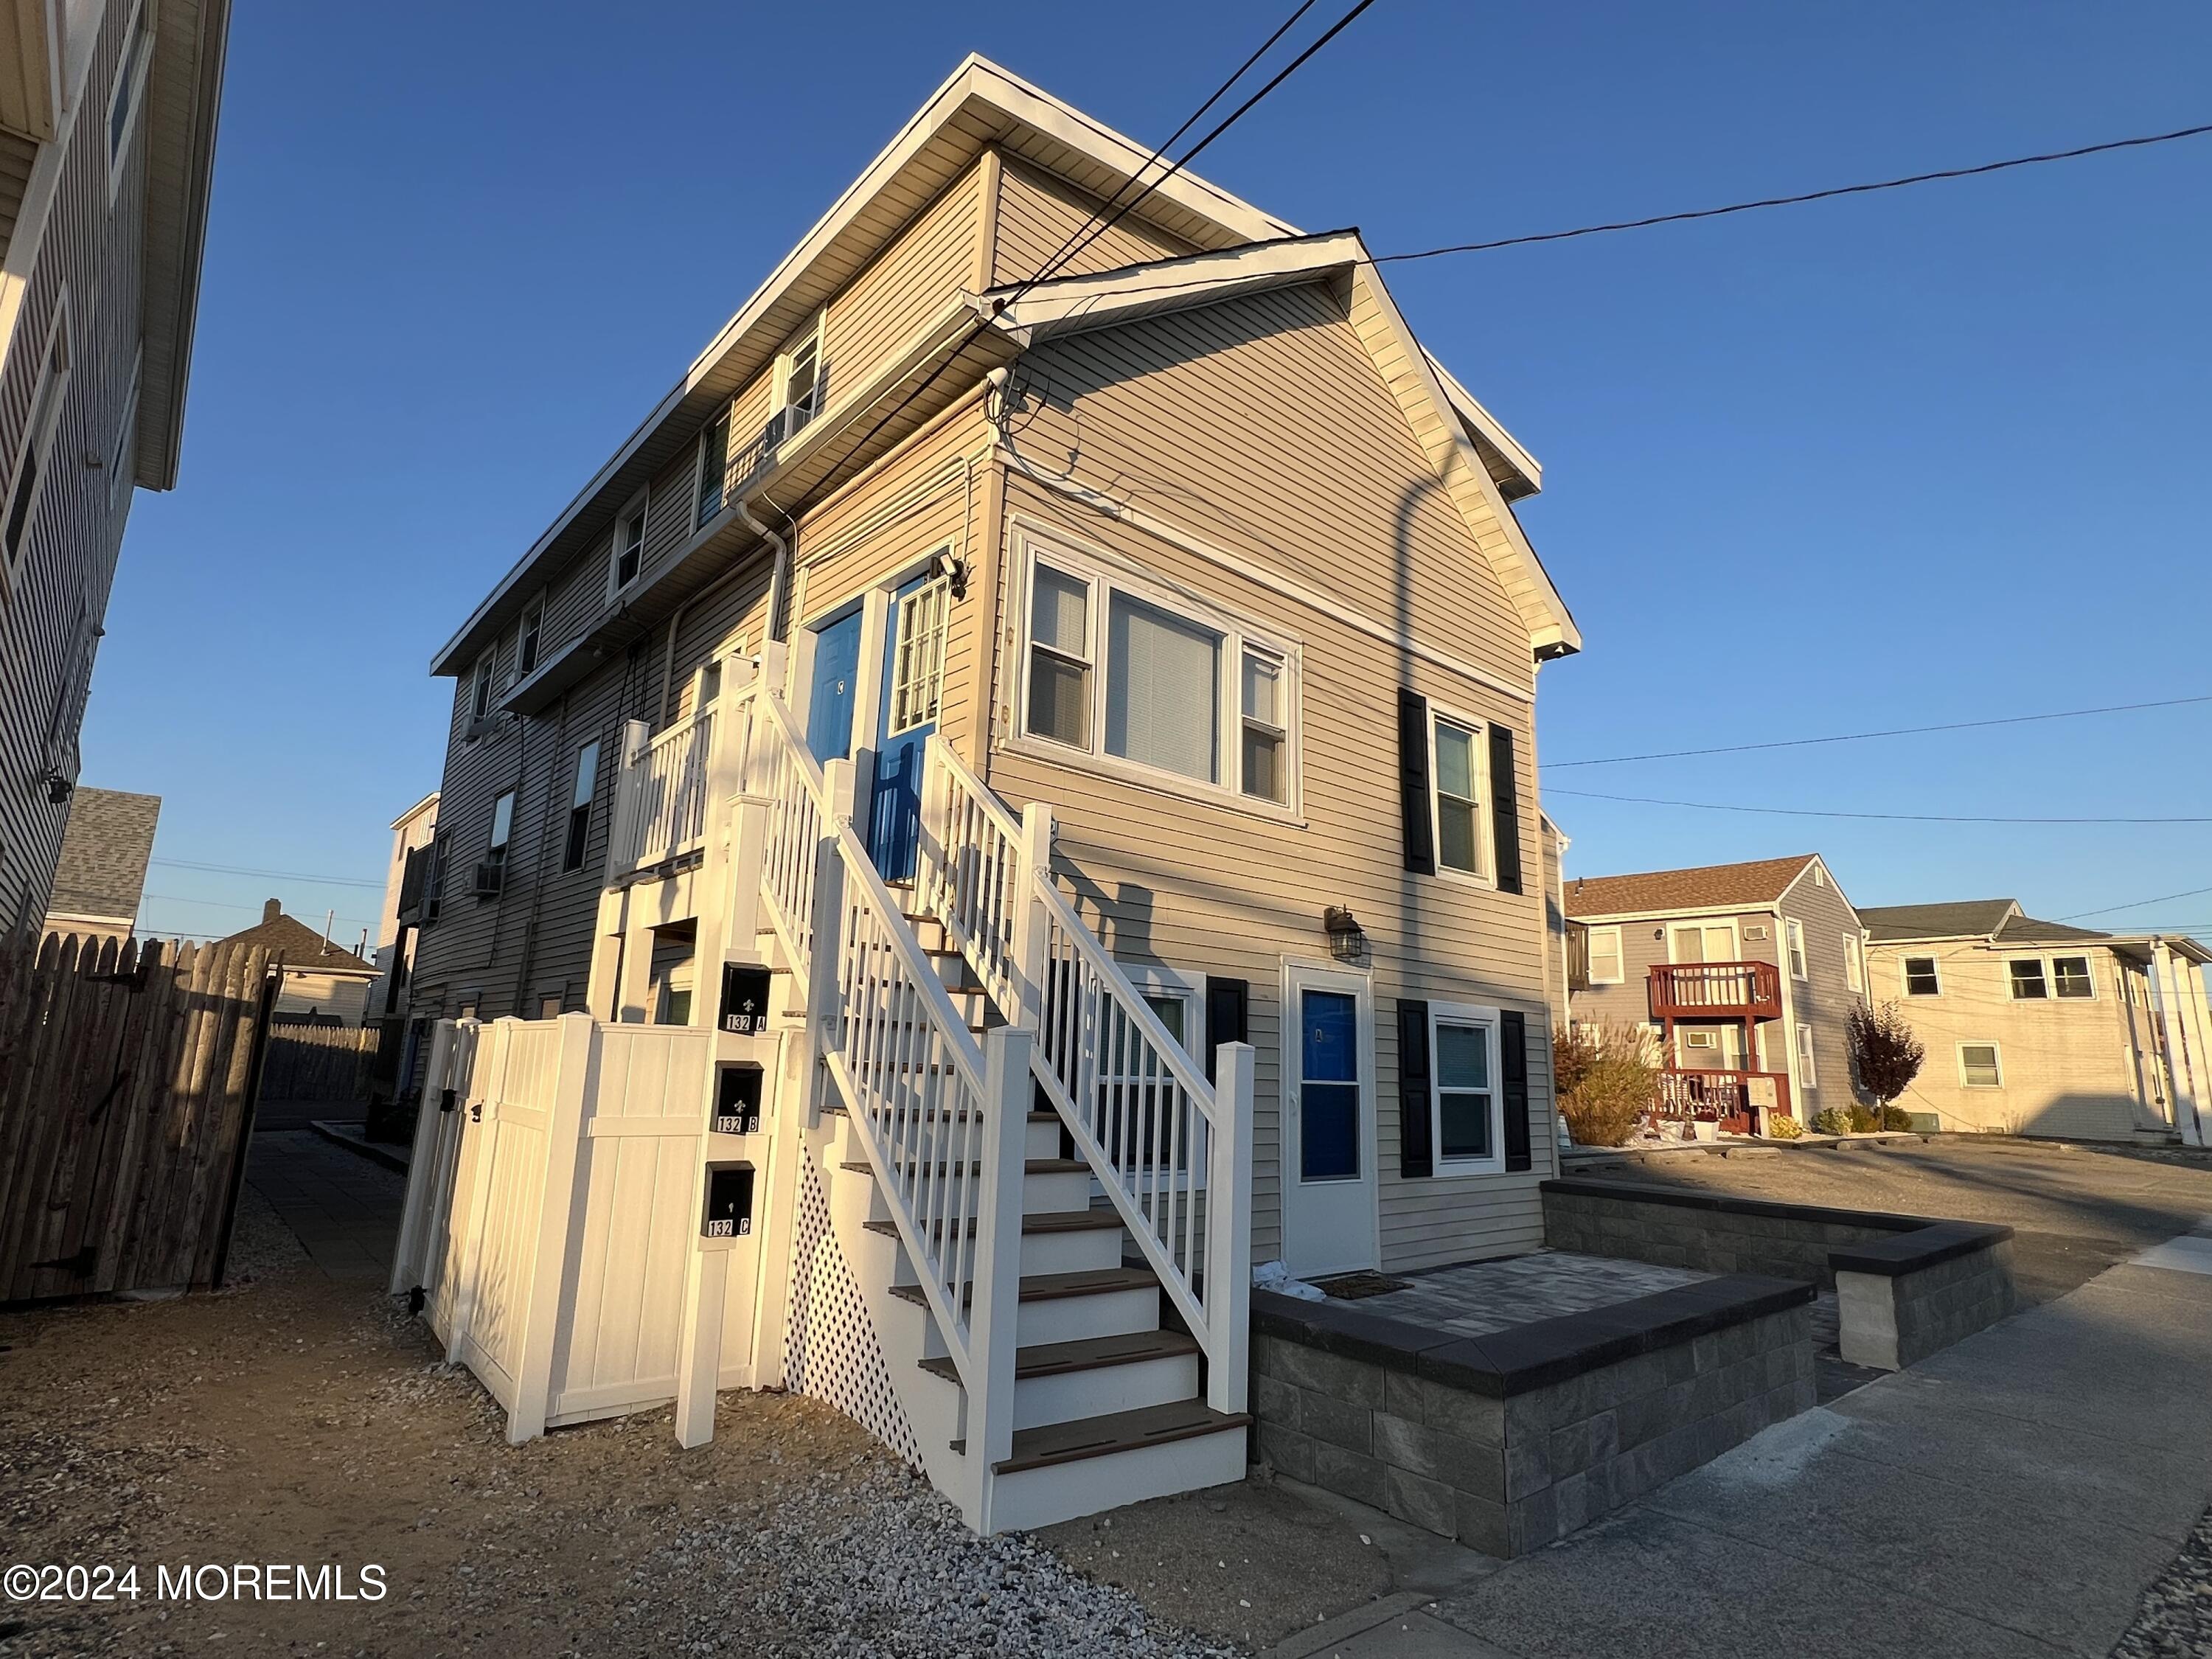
(1886, 1052)
(1606, 1080)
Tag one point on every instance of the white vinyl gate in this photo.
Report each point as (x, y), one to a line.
(549, 1213)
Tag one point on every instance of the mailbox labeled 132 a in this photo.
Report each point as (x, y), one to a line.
(729, 1201)
(744, 1000)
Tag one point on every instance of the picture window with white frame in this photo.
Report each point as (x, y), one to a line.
(1463, 1088)
(1161, 689)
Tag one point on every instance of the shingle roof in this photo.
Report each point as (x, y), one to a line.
(105, 847)
(301, 945)
(2027, 930)
(1961, 919)
(1759, 882)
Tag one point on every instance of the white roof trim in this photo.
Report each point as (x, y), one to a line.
(1067, 305)
(1486, 423)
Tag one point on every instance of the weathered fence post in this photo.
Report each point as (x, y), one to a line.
(407, 1263)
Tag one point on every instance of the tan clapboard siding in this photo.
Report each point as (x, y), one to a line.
(930, 263)
(2070, 1066)
(16, 155)
(1824, 1000)
(1351, 505)
(735, 614)
(1037, 213)
(1206, 888)
(924, 499)
(68, 565)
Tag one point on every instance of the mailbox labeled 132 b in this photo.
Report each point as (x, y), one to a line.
(738, 1100)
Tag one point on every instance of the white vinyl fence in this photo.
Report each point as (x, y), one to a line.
(549, 1213)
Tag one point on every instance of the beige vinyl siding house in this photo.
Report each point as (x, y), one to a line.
(103, 200)
(1197, 565)
(2036, 1028)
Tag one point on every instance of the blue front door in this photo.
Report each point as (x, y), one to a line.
(836, 678)
(914, 673)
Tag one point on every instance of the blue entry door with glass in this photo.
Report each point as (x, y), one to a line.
(1328, 1193)
(913, 683)
(836, 680)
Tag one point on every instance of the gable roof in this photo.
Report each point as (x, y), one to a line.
(1465, 445)
(302, 947)
(105, 847)
(1710, 886)
(1959, 919)
(2027, 930)
(979, 106)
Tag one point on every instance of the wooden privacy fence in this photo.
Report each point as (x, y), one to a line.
(318, 1062)
(127, 1078)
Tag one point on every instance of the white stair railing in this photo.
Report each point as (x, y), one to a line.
(1157, 1136)
(665, 788)
(941, 1122)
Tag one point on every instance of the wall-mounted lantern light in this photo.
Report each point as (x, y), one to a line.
(1346, 942)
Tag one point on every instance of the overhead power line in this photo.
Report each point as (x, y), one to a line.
(274, 875)
(1892, 732)
(2135, 905)
(1829, 194)
(1897, 817)
(226, 904)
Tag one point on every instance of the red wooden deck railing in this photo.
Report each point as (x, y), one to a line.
(1703, 989)
(1718, 1095)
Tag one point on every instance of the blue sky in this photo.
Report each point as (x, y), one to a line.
(1932, 455)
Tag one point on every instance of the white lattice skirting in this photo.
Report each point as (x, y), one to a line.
(832, 1352)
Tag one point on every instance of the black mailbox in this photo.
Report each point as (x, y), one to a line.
(737, 1099)
(729, 1201)
(744, 1000)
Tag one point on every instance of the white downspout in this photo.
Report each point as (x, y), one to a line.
(778, 580)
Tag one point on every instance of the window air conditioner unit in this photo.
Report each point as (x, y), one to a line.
(491, 878)
(1755, 932)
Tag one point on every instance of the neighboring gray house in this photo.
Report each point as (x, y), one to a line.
(2036, 1028)
(1747, 971)
(101, 874)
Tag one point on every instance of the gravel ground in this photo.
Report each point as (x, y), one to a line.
(294, 1418)
(2175, 1619)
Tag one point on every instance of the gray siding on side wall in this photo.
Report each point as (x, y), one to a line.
(48, 621)
(1824, 1000)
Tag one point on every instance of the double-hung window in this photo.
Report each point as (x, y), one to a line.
(1605, 964)
(1921, 978)
(629, 545)
(1980, 1067)
(1808, 1074)
(1156, 689)
(33, 455)
(1463, 1114)
(1854, 964)
(2071, 977)
(2028, 984)
(129, 85)
(714, 468)
(1455, 763)
(527, 639)
(580, 806)
(1799, 968)
(480, 689)
(799, 383)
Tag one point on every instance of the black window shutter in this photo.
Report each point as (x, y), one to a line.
(1504, 808)
(1513, 1037)
(1414, 1156)
(1226, 1002)
(1413, 782)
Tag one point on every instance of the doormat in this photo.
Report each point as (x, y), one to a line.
(1352, 1287)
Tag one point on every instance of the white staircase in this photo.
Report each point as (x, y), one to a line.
(1041, 1203)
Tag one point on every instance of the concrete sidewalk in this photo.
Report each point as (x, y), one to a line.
(345, 1209)
(2013, 1495)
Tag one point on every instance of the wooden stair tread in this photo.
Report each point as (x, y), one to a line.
(1046, 1221)
(1030, 1166)
(1089, 1354)
(1099, 1436)
(1053, 1287)
(839, 1108)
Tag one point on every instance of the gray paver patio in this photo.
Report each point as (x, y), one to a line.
(344, 1208)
